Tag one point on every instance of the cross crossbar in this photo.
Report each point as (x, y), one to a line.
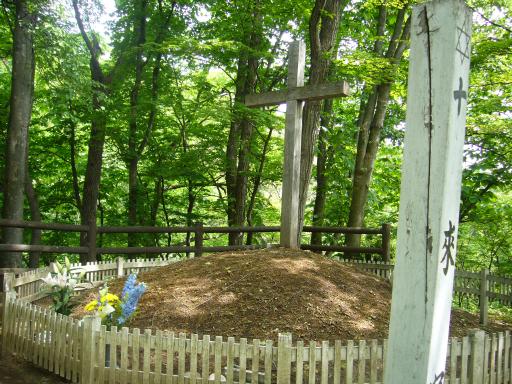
(308, 92)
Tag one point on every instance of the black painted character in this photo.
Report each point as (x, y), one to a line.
(449, 244)
(439, 379)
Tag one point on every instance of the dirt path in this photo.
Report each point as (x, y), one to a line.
(19, 372)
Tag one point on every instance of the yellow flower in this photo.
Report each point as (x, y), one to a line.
(110, 298)
(91, 306)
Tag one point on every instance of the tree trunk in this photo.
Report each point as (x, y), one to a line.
(241, 129)
(257, 182)
(22, 91)
(133, 160)
(371, 122)
(35, 215)
(321, 177)
(135, 148)
(100, 84)
(323, 28)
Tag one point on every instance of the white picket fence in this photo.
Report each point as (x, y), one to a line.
(87, 352)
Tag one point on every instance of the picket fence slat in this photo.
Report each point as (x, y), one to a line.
(146, 346)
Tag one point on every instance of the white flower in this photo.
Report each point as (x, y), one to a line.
(106, 310)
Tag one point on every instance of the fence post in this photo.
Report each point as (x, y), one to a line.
(386, 239)
(90, 325)
(477, 357)
(91, 240)
(8, 294)
(284, 358)
(484, 300)
(198, 242)
(120, 266)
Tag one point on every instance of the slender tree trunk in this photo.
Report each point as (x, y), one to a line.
(136, 148)
(74, 172)
(100, 84)
(35, 215)
(22, 91)
(257, 182)
(241, 129)
(323, 28)
(133, 158)
(372, 119)
(321, 177)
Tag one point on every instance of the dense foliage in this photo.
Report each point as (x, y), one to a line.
(162, 84)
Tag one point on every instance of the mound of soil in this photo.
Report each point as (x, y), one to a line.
(258, 294)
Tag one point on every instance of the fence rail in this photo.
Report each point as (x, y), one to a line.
(92, 250)
(483, 286)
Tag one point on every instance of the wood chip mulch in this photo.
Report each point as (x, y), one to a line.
(258, 294)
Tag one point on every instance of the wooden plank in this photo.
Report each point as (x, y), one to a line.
(308, 92)
(66, 348)
(242, 360)
(487, 349)
(158, 357)
(324, 373)
(181, 357)
(56, 344)
(230, 356)
(75, 346)
(255, 366)
(101, 353)
(217, 368)
(350, 362)
(124, 355)
(46, 321)
(312, 362)
(146, 345)
(169, 366)
(299, 364)
(268, 362)
(493, 355)
(361, 363)
(205, 359)
(29, 345)
(506, 358)
(453, 359)
(466, 350)
(499, 362)
(193, 357)
(113, 355)
(52, 342)
(135, 355)
(337, 362)
(373, 361)
(64, 334)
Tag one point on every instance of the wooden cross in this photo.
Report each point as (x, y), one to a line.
(294, 98)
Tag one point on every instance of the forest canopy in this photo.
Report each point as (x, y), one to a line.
(131, 113)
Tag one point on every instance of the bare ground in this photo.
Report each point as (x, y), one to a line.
(258, 294)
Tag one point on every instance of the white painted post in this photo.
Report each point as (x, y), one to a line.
(90, 325)
(284, 358)
(292, 142)
(120, 266)
(430, 193)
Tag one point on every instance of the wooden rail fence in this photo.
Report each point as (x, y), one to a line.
(483, 286)
(85, 351)
(198, 230)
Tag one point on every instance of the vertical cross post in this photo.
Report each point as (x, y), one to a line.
(292, 142)
(430, 193)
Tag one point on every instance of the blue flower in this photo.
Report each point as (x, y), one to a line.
(131, 295)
